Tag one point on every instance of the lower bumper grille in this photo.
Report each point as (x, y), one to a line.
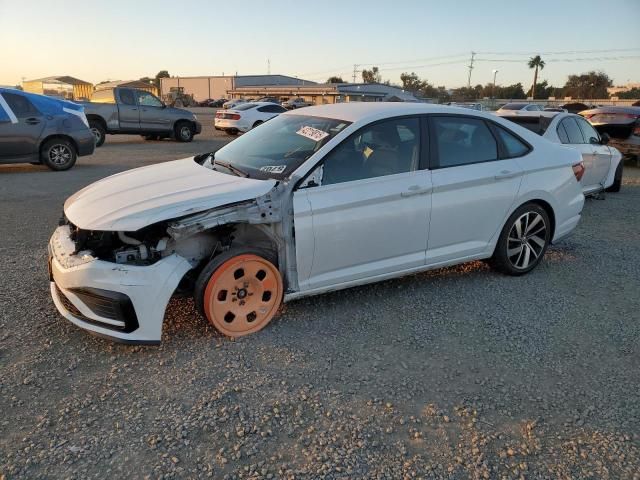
(104, 303)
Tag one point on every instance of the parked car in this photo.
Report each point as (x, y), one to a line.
(130, 111)
(246, 116)
(315, 200)
(471, 105)
(555, 109)
(622, 124)
(294, 103)
(603, 163)
(38, 129)
(269, 100)
(575, 107)
(217, 103)
(233, 103)
(518, 108)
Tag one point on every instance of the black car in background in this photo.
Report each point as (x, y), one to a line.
(38, 129)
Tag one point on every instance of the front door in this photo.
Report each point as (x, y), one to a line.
(128, 112)
(369, 214)
(474, 186)
(153, 116)
(21, 125)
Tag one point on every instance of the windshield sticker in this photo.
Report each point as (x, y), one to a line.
(273, 168)
(312, 133)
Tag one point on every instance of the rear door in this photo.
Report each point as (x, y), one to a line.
(474, 185)
(128, 112)
(152, 113)
(570, 133)
(602, 153)
(21, 126)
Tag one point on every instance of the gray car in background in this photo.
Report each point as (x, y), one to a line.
(131, 111)
(38, 129)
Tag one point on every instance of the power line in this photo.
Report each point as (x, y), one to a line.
(567, 52)
(560, 60)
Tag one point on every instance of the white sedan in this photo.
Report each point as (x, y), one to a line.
(603, 164)
(246, 116)
(317, 199)
(519, 108)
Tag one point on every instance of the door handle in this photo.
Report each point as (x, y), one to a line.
(32, 121)
(504, 174)
(415, 190)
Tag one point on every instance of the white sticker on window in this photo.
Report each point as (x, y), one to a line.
(274, 168)
(312, 133)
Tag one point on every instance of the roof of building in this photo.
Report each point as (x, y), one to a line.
(386, 92)
(61, 79)
(254, 80)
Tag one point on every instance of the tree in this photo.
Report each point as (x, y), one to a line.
(412, 83)
(536, 63)
(542, 90)
(371, 76)
(159, 75)
(335, 80)
(588, 85)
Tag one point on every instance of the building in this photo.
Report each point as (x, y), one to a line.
(214, 87)
(63, 86)
(625, 88)
(318, 94)
(140, 85)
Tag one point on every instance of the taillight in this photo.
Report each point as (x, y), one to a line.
(219, 115)
(233, 116)
(578, 170)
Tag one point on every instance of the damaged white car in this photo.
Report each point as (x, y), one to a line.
(314, 200)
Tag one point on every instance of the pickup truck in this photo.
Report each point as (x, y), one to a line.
(130, 111)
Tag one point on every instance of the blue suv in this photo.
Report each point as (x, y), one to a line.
(39, 129)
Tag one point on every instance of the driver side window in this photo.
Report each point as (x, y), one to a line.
(384, 148)
(145, 99)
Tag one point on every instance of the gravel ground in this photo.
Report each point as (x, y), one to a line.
(456, 373)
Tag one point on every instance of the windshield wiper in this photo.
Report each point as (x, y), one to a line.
(233, 169)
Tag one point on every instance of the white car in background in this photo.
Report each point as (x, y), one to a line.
(317, 199)
(246, 116)
(519, 108)
(603, 164)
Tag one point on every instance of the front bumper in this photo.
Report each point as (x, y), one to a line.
(123, 302)
(86, 142)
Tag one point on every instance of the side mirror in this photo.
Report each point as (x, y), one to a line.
(604, 138)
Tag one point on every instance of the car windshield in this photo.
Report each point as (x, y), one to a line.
(513, 106)
(279, 146)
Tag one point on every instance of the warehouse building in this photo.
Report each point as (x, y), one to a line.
(137, 84)
(319, 94)
(214, 87)
(66, 87)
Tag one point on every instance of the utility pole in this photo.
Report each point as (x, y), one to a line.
(268, 66)
(470, 67)
(355, 72)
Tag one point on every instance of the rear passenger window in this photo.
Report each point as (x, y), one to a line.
(573, 131)
(514, 147)
(127, 98)
(462, 141)
(562, 134)
(21, 106)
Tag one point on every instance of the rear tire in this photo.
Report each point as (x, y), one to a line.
(523, 241)
(617, 179)
(58, 154)
(98, 131)
(258, 123)
(184, 132)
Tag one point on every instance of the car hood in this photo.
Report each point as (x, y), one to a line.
(136, 198)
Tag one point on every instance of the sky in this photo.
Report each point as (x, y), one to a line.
(123, 40)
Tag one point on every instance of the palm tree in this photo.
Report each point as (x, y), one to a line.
(537, 63)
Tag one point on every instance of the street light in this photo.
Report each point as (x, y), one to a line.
(495, 72)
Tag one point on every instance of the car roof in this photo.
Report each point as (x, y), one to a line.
(356, 111)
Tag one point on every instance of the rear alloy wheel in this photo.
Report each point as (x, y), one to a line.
(239, 291)
(184, 132)
(523, 241)
(58, 154)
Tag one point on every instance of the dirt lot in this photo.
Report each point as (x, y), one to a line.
(456, 373)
